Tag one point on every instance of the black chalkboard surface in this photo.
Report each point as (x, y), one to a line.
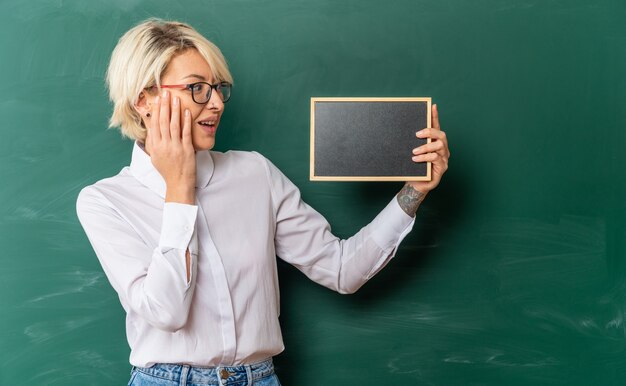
(367, 139)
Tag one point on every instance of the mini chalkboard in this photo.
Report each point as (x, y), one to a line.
(368, 139)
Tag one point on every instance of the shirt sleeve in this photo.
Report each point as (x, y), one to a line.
(304, 239)
(150, 281)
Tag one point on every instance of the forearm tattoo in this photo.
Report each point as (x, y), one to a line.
(410, 199)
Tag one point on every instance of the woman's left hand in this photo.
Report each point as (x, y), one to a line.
(436, 152)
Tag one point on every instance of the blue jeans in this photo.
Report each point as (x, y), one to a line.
(161, 374)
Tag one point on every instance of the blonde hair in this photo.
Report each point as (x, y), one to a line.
(140, 59)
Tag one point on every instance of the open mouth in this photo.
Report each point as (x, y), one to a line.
(208, 123)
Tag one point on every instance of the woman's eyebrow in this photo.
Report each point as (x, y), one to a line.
(195, 76)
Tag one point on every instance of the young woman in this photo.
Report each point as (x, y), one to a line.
(189, 237)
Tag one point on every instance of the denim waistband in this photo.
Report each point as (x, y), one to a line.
(231, 375)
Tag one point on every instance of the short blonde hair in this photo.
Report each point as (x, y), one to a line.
(140, 59)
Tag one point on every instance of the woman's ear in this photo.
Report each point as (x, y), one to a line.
(143, 105)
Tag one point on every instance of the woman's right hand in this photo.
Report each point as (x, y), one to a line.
(171, 150)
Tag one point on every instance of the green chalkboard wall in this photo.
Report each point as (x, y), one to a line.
(515, 273)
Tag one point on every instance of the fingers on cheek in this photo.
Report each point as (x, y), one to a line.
(156, 112)
(165, 110)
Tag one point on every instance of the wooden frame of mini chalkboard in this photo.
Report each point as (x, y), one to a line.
(339, 153)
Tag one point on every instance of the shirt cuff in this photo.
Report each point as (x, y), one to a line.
(178, 225)
(391, 226)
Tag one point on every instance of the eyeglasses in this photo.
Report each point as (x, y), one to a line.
(201, 91)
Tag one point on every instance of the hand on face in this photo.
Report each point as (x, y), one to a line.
(171, 149)
(436, 152)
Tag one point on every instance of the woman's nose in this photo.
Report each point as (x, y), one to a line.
(215, 102)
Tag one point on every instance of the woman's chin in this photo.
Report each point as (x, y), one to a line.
(204, 144)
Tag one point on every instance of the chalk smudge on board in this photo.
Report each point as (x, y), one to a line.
(80, 281)
(45, 331)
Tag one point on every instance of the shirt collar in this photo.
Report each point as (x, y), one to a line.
(141, 167)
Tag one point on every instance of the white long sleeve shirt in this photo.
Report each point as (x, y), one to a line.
(247, 212)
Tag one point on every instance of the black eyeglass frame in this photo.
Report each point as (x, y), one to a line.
(190, 87)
